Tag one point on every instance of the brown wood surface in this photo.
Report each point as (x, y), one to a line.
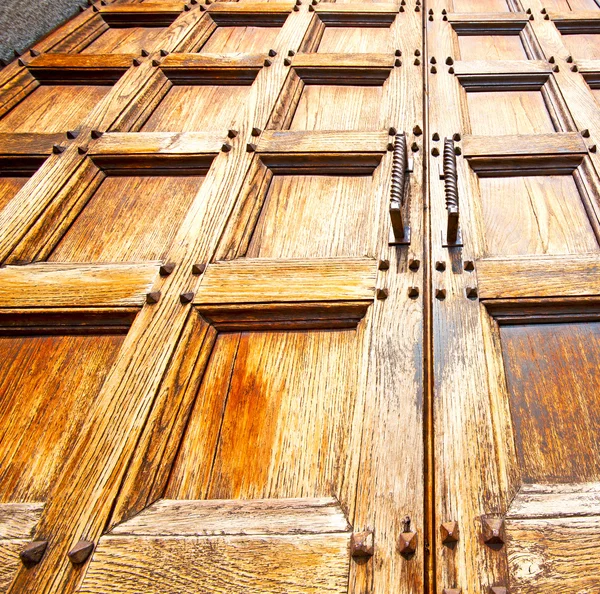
(220, 370)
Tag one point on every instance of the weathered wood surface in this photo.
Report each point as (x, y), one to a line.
(235, 517)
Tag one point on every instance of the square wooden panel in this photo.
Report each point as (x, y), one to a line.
(356, 40)
(125, 40)
(49, 379)
(553, 386)
(261, 426)
(583, 46)
(479, 6)
(129, 218)
(515, 112)
(187, 108)
(491, 47)
(9, 186)
(319, 108)
(535, 215)
(245, 39)
(53, 108)
(307, 216)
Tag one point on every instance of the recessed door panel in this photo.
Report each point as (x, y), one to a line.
(9, 186)
(188, 108)
(53, 108)
(356, 40)
(513, 112)
(128, 219)
(491, 47)
(318, 216)
(535, 215)
(248, 40)
(47, 385)
(126, 40)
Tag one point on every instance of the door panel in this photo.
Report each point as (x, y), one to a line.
(513, 338)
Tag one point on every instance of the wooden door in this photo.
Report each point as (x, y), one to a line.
(211, 326)
(514, 169)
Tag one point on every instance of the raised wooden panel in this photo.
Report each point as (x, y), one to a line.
(47, 385)
(53, 108)
(273, 417)
(248, 40)
(312, 216)
(302, 564)
(583, 46)
(9, 186)
(187, 108)
(128, 219)
(552, 379)
(337, 40)
(515, 112)
(535, 215)
(491, 47)
(124, 40)
(480, 6)
(570, 5)
(319, 108)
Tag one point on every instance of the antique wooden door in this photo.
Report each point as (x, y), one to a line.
(302, 297)
(513, 124)
(212, 355)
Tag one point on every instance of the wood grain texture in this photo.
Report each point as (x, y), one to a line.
(262, 408)
(53, 108)
(525, 145)
(247, 40)
(515, 112)
(46, 381)
(129, 40)
(491, 47)
(322, 142)
(131, 211)
(237, 517)
(18, 520)
(188, 108)
(231, 565)
(334, 214)
(546, 552)
(9, 186)
(355, 40)
(76, 285)
(9, 561)
(535, 216)
(263, 280)
(555, 501)
(539, 277)
(551, 383)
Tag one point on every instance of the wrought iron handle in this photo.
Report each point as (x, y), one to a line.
(453, 238)
(400, 234)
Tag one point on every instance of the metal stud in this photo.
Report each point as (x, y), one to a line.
(57, 149)
(272, 53)
(440, 266)
(585, 133)
(198, 269)
(384, 265)
(153, 297)
(570, 59)
(414, 264)
(256, 131)
(382, 294)
(33, 53)
(362, 544)
(136, 62)
(71, 134)
(225, 147)
(449, 532)
(166, 268)
(413, 292)
(155, 62)
(250, 147)
(433, 70)
(291, 53)
(493, 531)
(551, 60)
(417, 52)
(96, 134)
(449, 61)
(471, 293)
(33, 552)
(456, 137)
(451, 70)
(457, 150)
(574, 68)
(390, 146)
(435, 136)
(145, 53)
(267, 62)
(82, 150)
(186, 297)
(414, 147)
(398, 52)
(164, 52)
(417, 62)
(287, 62)
(80, 552)
(392, 131)
(435, 151)
(469, 265)
(440, 294)
(407, 544)
(592, 148)
(232, 133)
